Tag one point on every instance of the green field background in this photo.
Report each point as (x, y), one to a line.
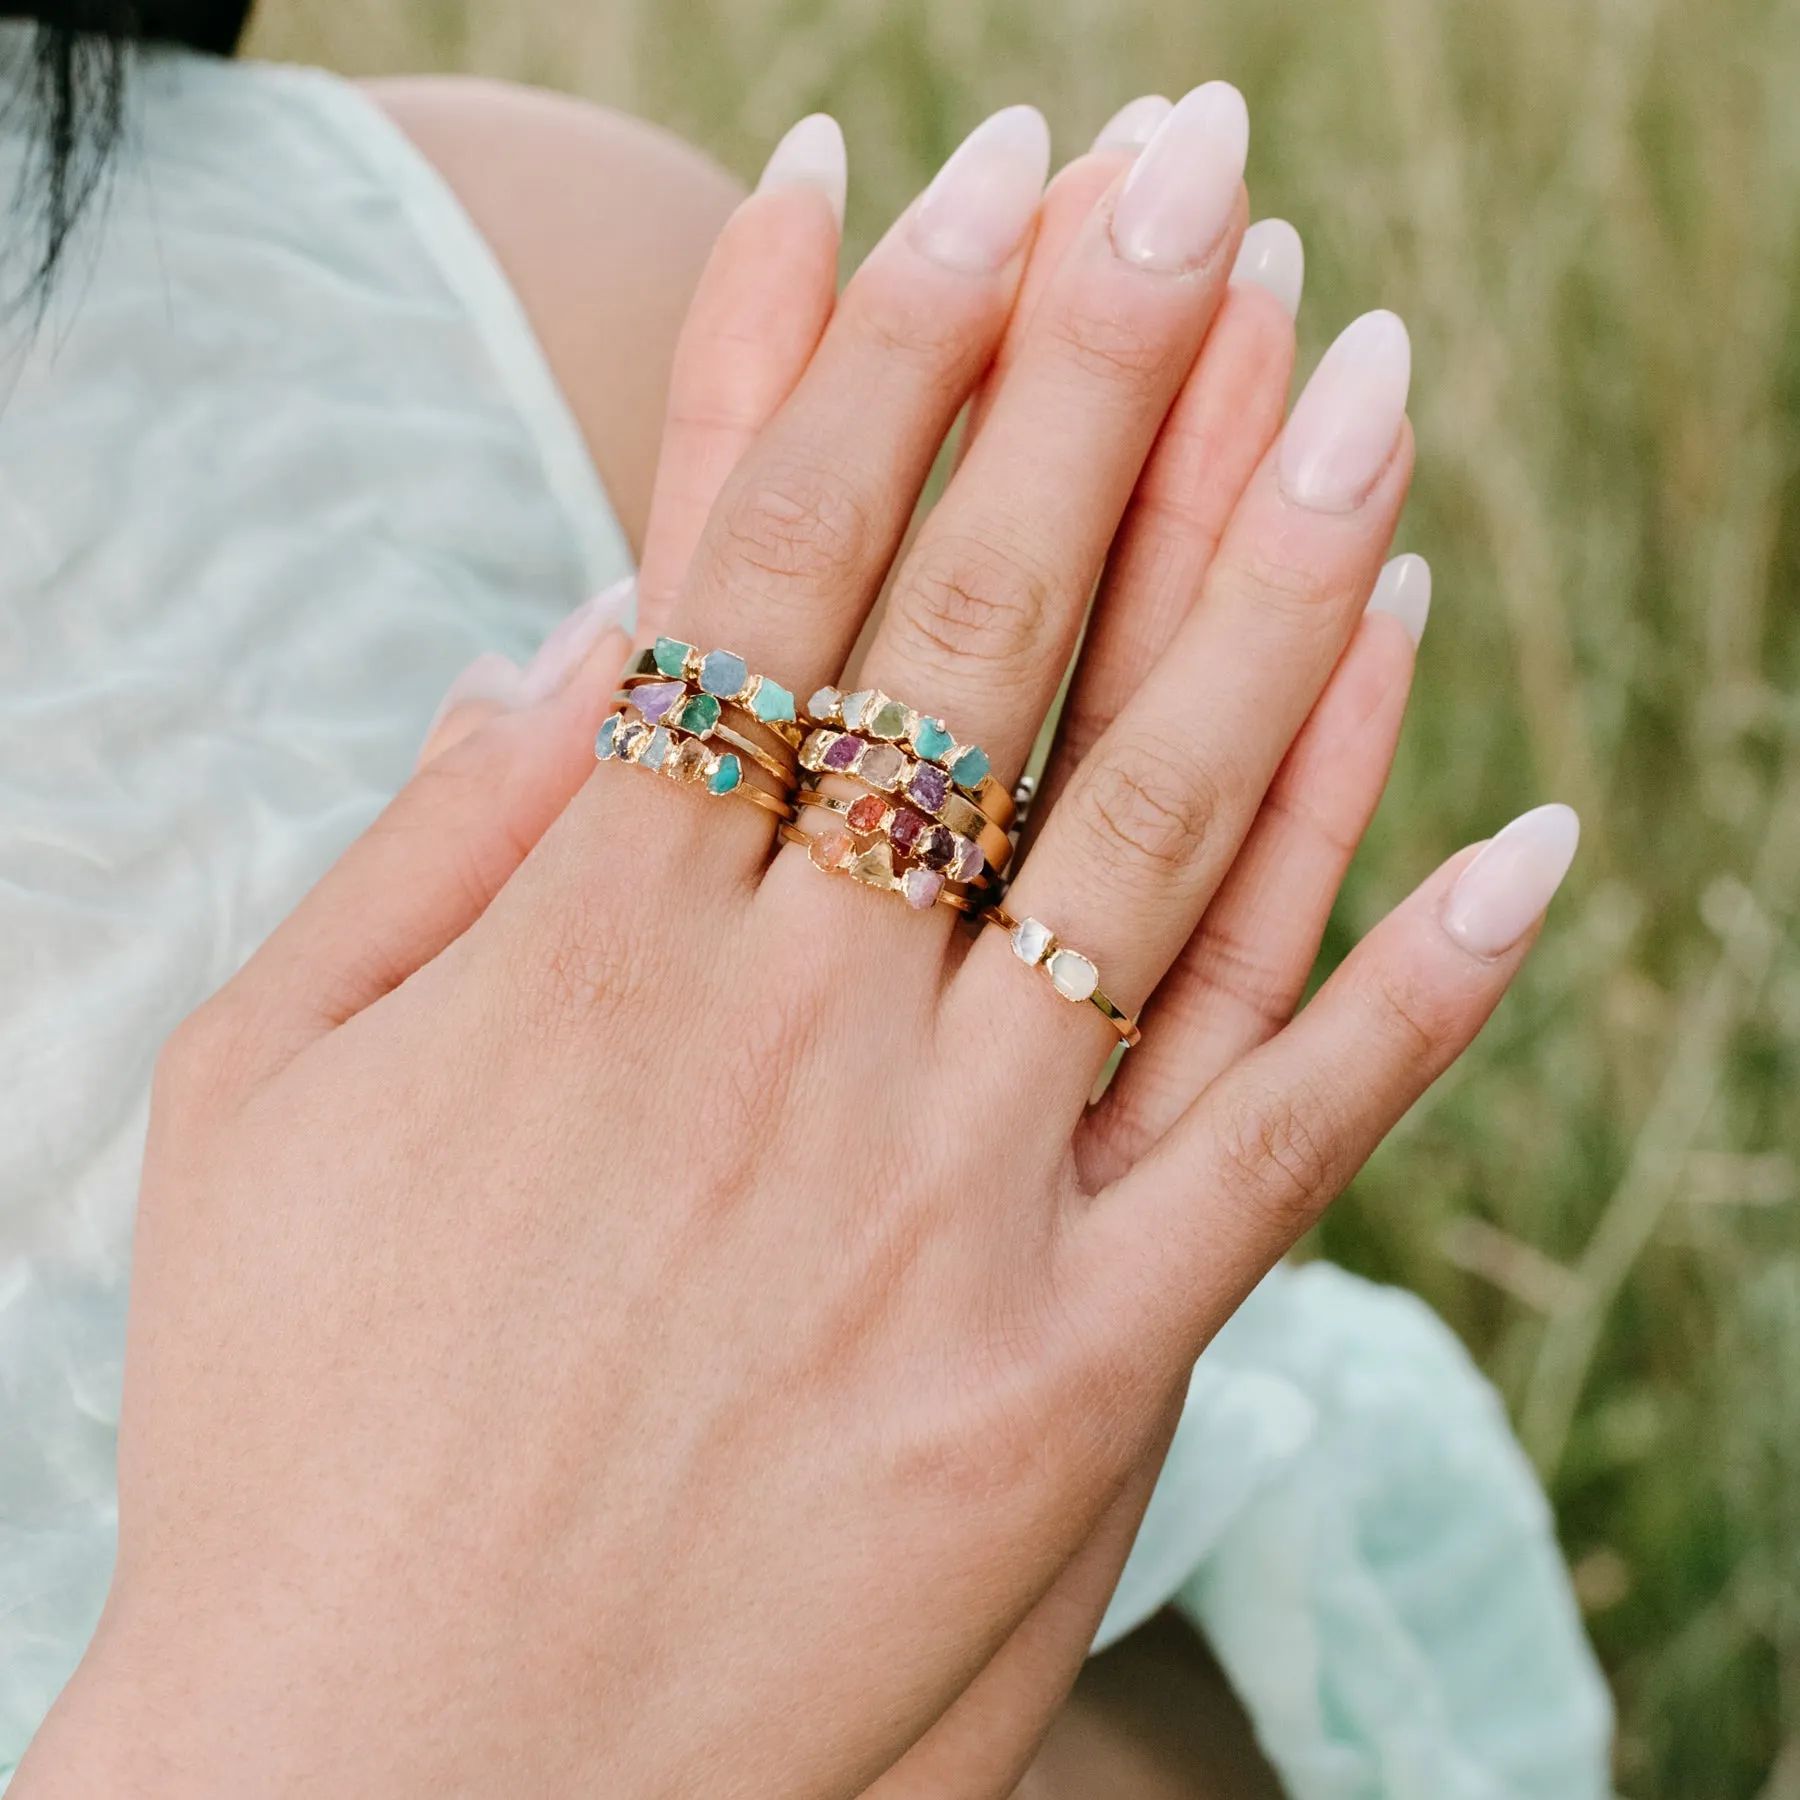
(1586, 210)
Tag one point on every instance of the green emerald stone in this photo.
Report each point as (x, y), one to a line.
(970, 769)
(726, 776)
(671, 656)
(931, 740)
(699, 714)
(772, 703)
(889, 722)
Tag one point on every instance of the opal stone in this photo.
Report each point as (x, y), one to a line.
(921, 887)
(970, 769)
(904, 832)
(655, 698)
(603, 744)
(688, 761)
(1072, 975)
(724, 673)
(832, 848)
(937, 848)
(929, 788)
(853, 707)
(890, 721)
(812, 750)
(931, 740)
(772, 703)
(868, 814)
(699, 714)
(969, 861)
(843, 754)
(726, 776)
(875, 865)
(1030, 941)
(823, 706)
(671, 655)
(657, 749)
(883, 766)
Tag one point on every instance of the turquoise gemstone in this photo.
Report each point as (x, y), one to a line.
(723, 674)
(699, 714)
(726, 776)
(970, 768)
(656, 749)
(603, 744)
(773, 704)
(671, 655)
(931, 740)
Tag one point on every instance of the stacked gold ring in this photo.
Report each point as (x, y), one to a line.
(684, 756)
(1072, 975)
(725, 676)
(835, 851)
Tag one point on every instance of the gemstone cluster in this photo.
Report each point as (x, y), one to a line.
(722, 676)
(869, 713)
(674, 753)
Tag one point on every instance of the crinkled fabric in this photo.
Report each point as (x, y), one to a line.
(283, 460)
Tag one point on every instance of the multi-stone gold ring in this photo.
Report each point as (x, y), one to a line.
(1073, 975)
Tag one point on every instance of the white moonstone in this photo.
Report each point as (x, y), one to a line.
(1030, 940)
(1072, 975)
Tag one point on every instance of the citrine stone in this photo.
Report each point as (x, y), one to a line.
(890, 721)
(937, 848)
(929, 788)
(688, 761)
(921, 887)
(724, 673)
(603, 744)
(904, 832)
(822, 708)
(969, 861)
(931, 740)
(699, 714)
(671, 656)
(812, 750)
(853, 706)
(726, 775)
(1030, 940)
(868, 814)
(656, 751)
(970, 769)
(772, 703)
(1072, 975)
(832, 848)
(843, 754)
(883, 766)
(655, 698)
(875, 865)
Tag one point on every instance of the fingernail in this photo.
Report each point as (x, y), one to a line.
(1272, 256)
(1404, 590)
(811, 155)
(1504, 891)
(490, 677)
(1181, 190)
(976, 212)
(1134, 124)
(1345, 425)
(564, 650)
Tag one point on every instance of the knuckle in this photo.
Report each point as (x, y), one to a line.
(1228, 966)
(969, 601)
(798, 523)
(932, 339)
(1111, 346)
(1272, 1159)
(1141, 804)
(1417, 1024)
(1298, 593)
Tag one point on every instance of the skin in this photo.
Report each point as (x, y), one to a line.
(487, 1430)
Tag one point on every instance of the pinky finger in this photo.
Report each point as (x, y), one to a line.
(1274, 1140)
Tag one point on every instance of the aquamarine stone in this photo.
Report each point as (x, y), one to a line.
(931, 740)
(656, 750)
(699, 714)
(970, 768)
(726, 776)
(671, 655)
(853, 707)
(773, 704)
(603, 744)
(723, 673)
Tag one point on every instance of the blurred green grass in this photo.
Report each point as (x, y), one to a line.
(1587, 210)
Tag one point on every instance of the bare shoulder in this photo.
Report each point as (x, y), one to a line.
(602, 224)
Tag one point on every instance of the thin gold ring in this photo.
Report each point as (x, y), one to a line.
(726, 676)
(991, 860)
(1072, 975)
(721, 722)
(880, 873)
(670, 753)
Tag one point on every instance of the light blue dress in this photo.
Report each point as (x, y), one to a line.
(284, 458)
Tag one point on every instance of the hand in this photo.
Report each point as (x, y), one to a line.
(614, 1316)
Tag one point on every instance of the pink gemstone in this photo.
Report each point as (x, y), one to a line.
(655, 699)
(883, 766)
(867, 814)
(843, 754)
(922, 887)
(832, 848)
(929, 788)
(969, 861)
(904, 831)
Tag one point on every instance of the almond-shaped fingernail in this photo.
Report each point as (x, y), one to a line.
(566, 648)
(1134, 124)
(1178, 198)
(811, 155)
(1403, 590)
(1346, 424)
(1504, 891)
(491, 677)
(976, 212)
(1272, 256)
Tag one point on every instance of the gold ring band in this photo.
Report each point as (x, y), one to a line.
(1072, 975)
(681, 756)
(725, 676)
(953, 853)
(710, 719)
(920, 888)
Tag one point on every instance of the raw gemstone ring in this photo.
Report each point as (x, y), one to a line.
(922, 785)
(1072, 975)
(880, 720)
(936, 846)
(680, 756)
(835, 851)
(724, 676)
(675, 704)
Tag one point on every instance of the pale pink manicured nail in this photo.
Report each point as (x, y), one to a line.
(1272, 257)
(1179, 196)
(563, 651)
(1404, 591)
(975, 214)
(1503, 892)
(1134, 124)
(1345, 425)
(490, 677)
(811, 155)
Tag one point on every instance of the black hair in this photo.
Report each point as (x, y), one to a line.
(72, 78)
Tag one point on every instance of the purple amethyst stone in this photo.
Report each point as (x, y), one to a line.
(929, 787)
(843, 754)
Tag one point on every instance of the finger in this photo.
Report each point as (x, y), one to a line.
(1129, 859)
(985, 610)
(1240, 976)
(755, 321)
(1262, 1152)
(804, 532)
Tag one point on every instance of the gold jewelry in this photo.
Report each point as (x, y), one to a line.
(941, 846)
(1072, 975)
(723, 675)
(674, 704)
(834, 850)
(681, 756)
(886, 766)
